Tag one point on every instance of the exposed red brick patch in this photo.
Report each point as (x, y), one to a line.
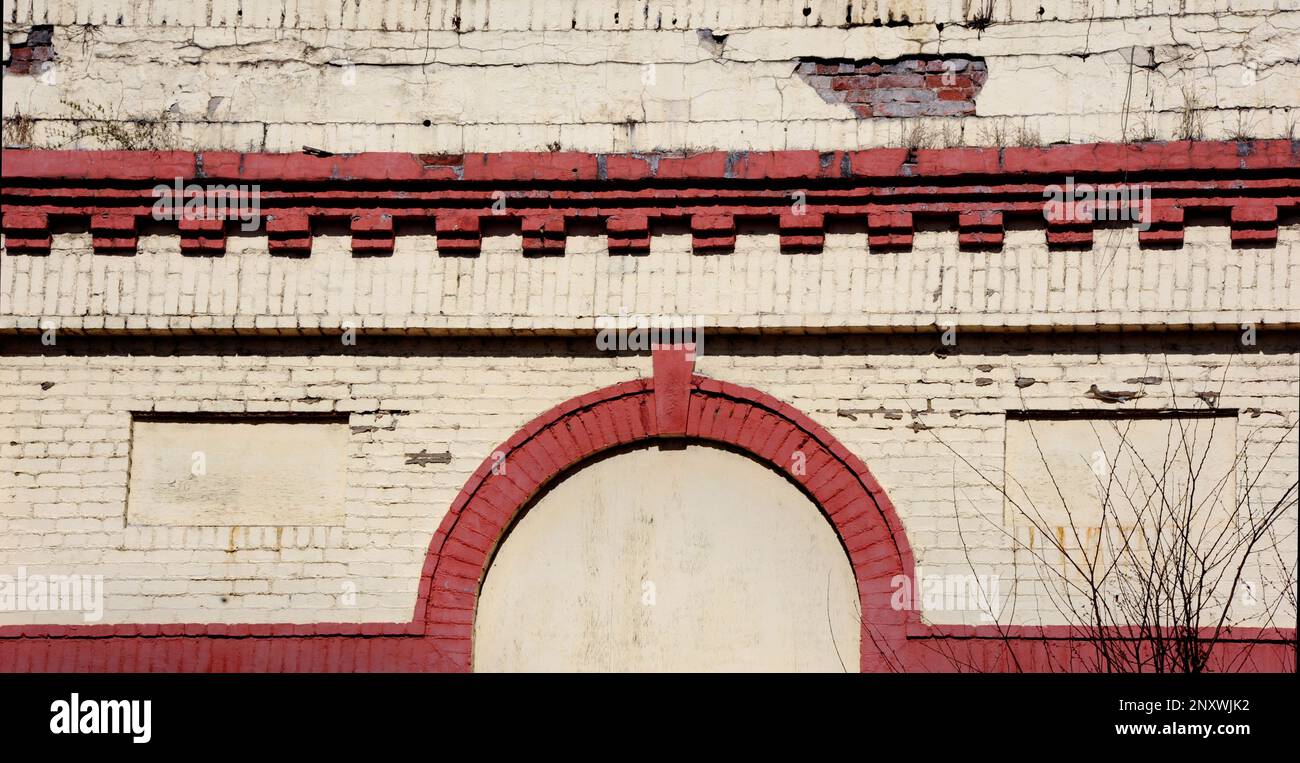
(34, 54)
(912, 86)
(442, 160)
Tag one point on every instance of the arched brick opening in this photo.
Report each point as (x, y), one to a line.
(674, 403)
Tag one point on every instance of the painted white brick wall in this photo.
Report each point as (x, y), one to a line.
(907, 411)
(632, 75)
(1205, 283)
(641, 75)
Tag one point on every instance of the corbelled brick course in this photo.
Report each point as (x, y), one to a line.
(851, 240)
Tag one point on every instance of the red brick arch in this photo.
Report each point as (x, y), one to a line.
(675, 403)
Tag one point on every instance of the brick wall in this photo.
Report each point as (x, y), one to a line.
(447, 76)
(464, 332)
(1113, 283)
(900, 402)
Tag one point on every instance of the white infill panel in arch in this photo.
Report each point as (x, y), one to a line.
(670, 559)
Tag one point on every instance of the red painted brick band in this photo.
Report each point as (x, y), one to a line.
(545, 196)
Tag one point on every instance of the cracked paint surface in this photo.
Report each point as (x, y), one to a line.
(475, 78)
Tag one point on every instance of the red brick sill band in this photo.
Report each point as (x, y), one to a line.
(159, 649)
(547, 196)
